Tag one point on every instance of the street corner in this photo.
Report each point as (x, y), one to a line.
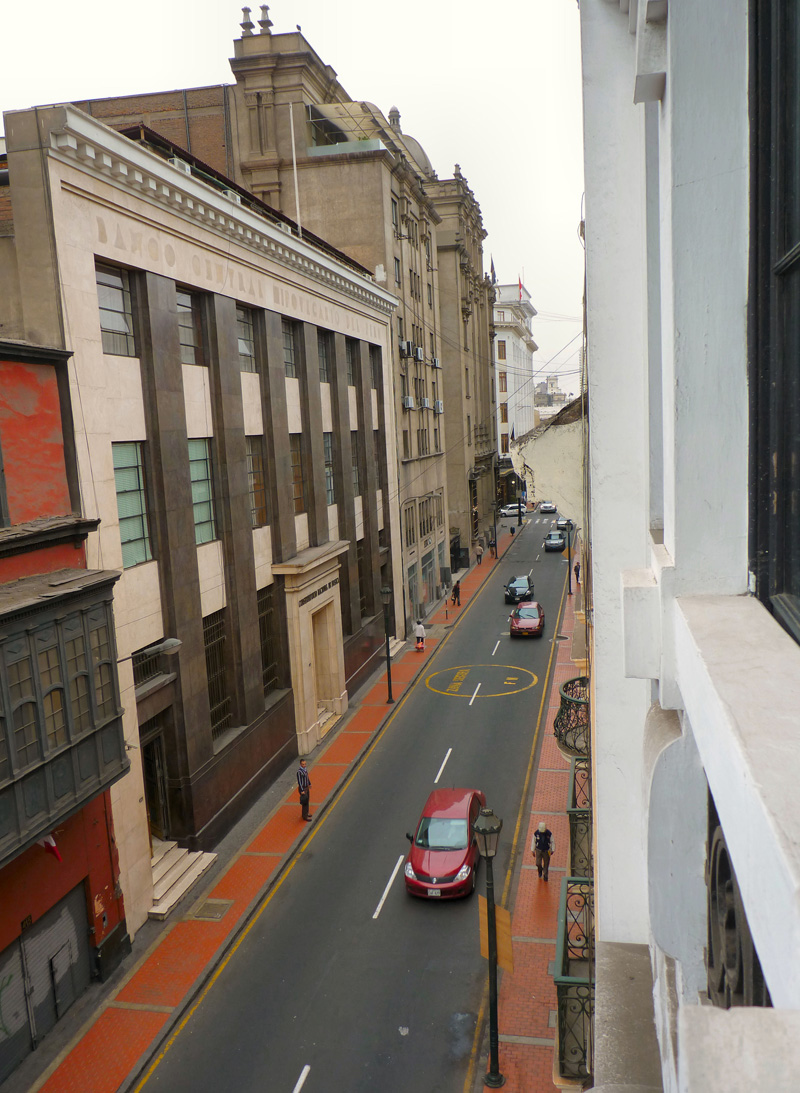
(473, 681)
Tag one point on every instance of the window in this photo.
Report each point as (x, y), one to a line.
(354, 447)
(363, 578)
(433, 344)
(116, 311)
(351, 350)
(400, 328)
(428, 252)
(200, 471)
(775, 311)
(134, 531)
(469, 429)
(376, 455)
(395, 217)
(190, 329)
(24, 713)
(410, 524)
(397, 275)
(504, 442)
(502, 383)
(103, 678)
(78, 676)
(376, 368)
(325, 352)
(330, 488)
(298, 478)
(245, 331)
(437, 446)
(501, 316)
(218, 697)
(501, 351)
(289, 347)
(430, 294)
(256, 481)
(52, 696)
(406, 444)
(504, 413)
(270, 638)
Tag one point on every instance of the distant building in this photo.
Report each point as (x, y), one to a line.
(513, 363)
(62, 916)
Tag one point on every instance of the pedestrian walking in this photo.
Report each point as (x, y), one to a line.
(304, 786)
(456, 597)
(479, 552)
(493, 547)
(419, 633)
(576, 569)
(543, 847)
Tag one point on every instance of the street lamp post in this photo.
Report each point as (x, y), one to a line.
(386, 597)
(168, 647)
(487, 830)
(569, 557)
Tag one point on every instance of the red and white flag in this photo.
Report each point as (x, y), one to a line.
(49, 844)
(520, 290)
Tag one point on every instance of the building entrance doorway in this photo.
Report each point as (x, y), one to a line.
(154, 770)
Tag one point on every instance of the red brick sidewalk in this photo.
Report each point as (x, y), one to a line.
(132, 1024)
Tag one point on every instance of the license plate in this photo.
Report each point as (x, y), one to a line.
(434, 892)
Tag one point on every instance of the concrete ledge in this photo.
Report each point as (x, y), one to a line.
(739, 1050)
(626, 1054)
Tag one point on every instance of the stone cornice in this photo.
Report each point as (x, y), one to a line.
(101, 152)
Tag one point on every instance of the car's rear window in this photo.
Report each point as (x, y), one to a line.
(436, 833)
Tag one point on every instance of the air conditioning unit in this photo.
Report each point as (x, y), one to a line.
(408, 402)
(407, 349)
(181, 165)
(438, 406)
(232, 194)
(436, 362)
(419, 353)
(425, 403)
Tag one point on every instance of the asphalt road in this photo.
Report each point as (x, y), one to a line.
(323, 996)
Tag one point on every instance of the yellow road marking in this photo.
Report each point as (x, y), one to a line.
(453, 689)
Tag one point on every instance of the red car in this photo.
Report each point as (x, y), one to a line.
(443, 858)
(526, 620)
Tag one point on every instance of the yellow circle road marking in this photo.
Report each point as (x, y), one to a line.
(459, 682)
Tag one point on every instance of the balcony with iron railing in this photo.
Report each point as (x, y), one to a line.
(579, 815)
(574, 979)
(571, 723)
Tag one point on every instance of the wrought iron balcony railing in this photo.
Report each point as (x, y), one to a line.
(571, 723)
(574, 978)
(580, 820)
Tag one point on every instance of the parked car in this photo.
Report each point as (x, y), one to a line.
(561, 523)
(443, 858)
(555, 540)
(519, 589)
(526, 620)
(513, 510)
(547, 506)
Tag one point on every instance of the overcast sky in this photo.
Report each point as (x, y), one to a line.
(494, 87)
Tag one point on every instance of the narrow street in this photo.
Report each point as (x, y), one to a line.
(341, 983)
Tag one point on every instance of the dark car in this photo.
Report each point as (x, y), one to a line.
(443, 858)
(526, 620)
(547, 506)
(518, 589)
(555, 540)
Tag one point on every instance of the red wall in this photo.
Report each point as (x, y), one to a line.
(32, 442)
(35, 881)
(43, 560)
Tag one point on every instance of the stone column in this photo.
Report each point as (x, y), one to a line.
(343, 464)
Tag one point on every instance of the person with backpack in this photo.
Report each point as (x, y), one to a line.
(543, 847)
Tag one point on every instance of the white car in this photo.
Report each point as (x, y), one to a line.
(513, 510)
(547, 506)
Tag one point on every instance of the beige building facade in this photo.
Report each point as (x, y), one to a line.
(232, 415)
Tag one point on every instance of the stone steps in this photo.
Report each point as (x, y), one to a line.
(175, 870)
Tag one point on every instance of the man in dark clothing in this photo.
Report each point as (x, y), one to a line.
(456, 597)
(544, 846)
(576, 569)
(304, 785)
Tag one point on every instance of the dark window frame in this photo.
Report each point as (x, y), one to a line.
(119, 338)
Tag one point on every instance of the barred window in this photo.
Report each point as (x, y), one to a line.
(190, 328)
(351, 352)
(116, 311)
(298, 477)
(245, 332)
(218, 696)
(325, 350)
(355, 452)
(257, 481)
(289, 346)
(200, 471)
(134, 531)
(330, 486)
(270, 638)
